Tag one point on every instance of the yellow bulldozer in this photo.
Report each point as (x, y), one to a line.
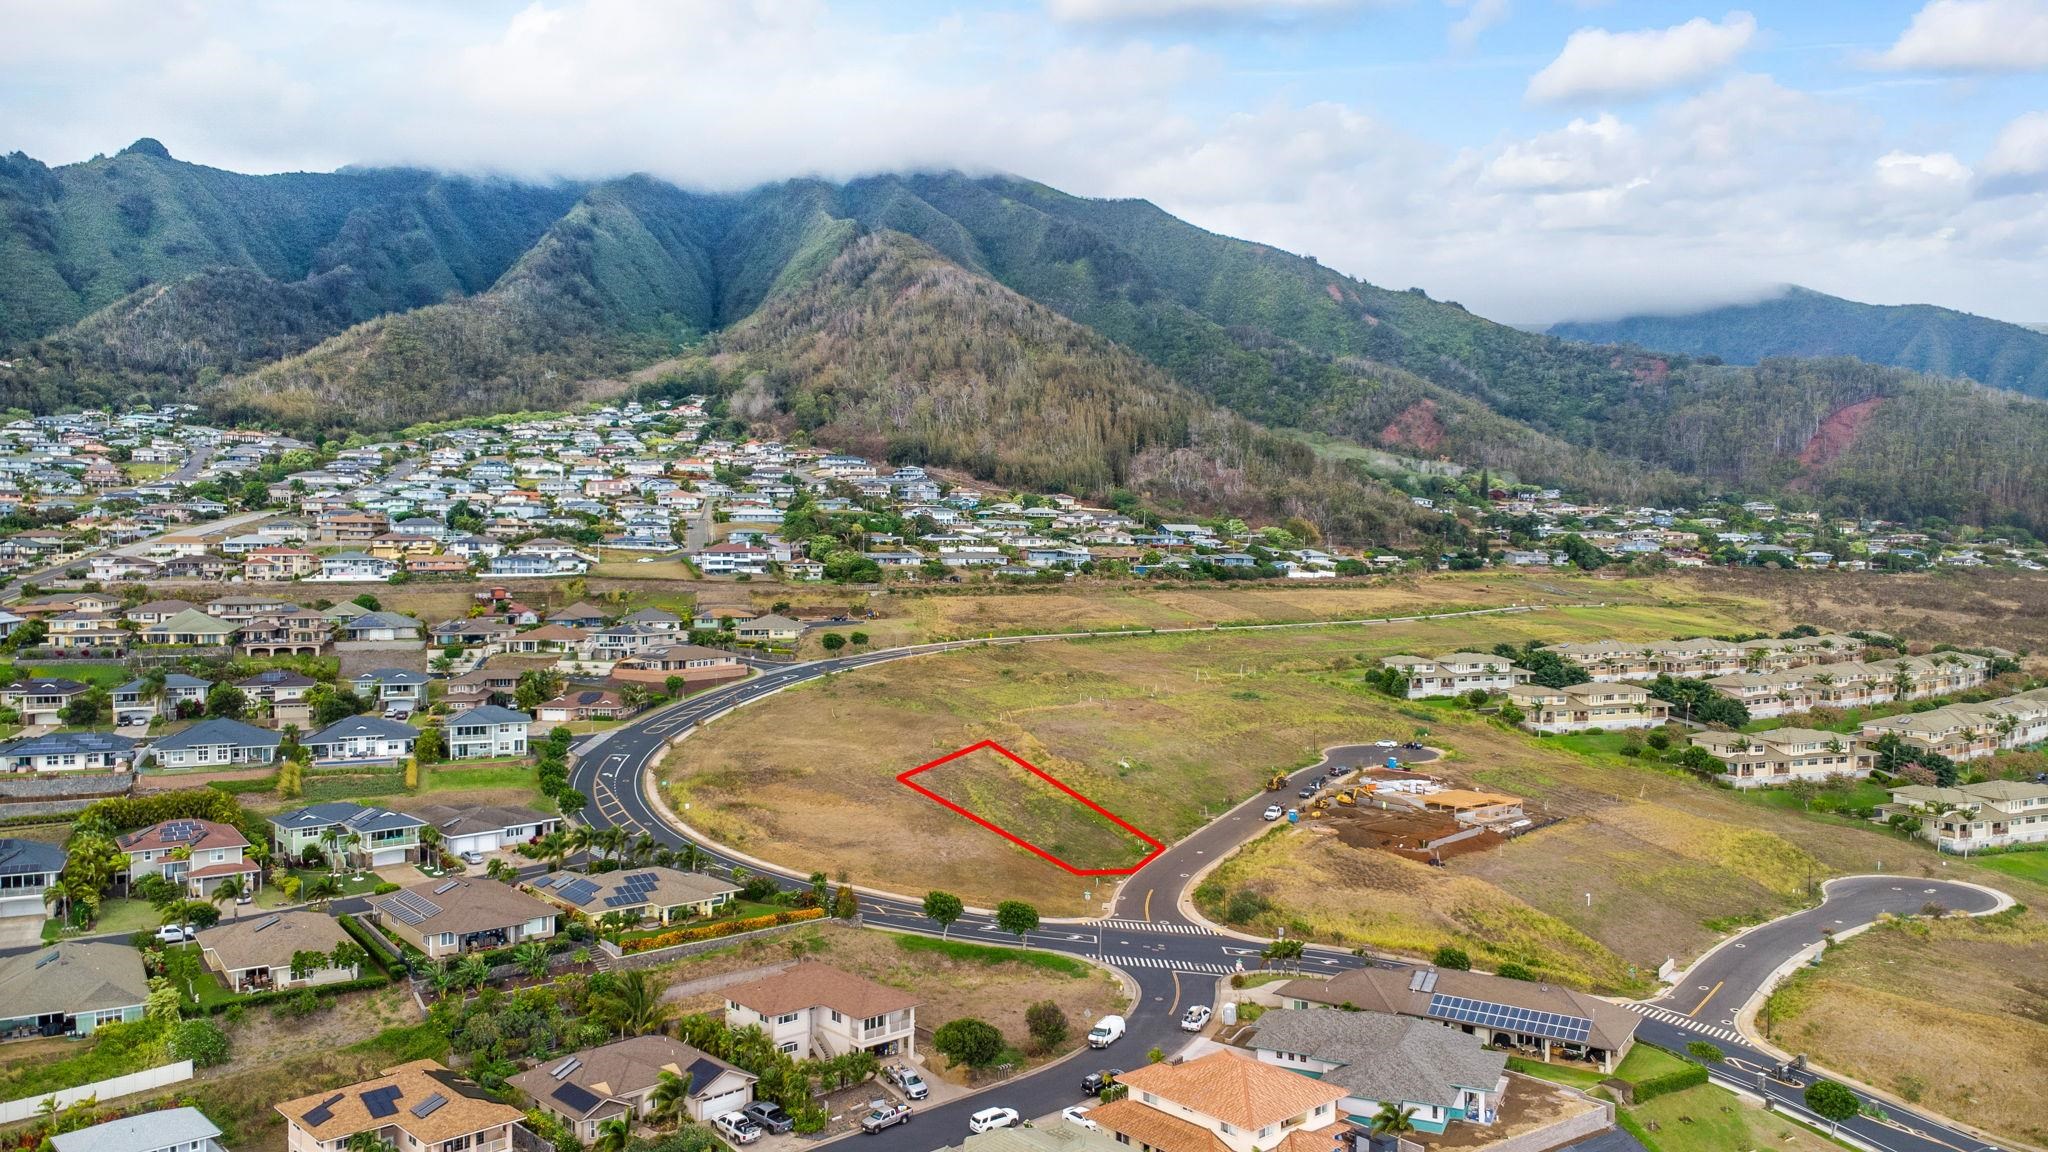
(1276, 782)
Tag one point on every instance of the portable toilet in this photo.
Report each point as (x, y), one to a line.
(1229, 1012)
(1393, 763)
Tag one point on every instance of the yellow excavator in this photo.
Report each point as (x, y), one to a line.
(1349, 797)
(1277, 782)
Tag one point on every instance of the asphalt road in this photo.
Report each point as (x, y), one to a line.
(1175, 961)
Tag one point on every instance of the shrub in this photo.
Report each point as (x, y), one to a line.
(1702, 1050)
(1677, 1080)
(721, 928)
(200, 1041)
(1451, 956)
(1246, 906)
(1513, 970)
(974, 1043)
(1046, 1023)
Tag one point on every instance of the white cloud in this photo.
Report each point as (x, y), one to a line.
(1584, 154)
(2021, 148)
(1111, 11)
(1479, 16)
(1599, 63)
(1973, 36)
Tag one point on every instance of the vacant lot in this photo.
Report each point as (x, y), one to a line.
(1160, 730)
(1953, 1014)
(950, 979)
(1708, 1118)
(998, 790)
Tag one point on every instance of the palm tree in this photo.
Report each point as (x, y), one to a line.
(642, 849)
(430, 839)
(692, 858)
(1392, 1120)
(668, 1100)
(226, 891)
(441, 977)
(613, 1135)
(581, 837)
(532, 958)
(331, 837)
(473, 971)
(369, 1141)
(555, 848)
(635, 1003)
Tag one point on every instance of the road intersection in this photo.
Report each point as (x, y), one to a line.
(1174, 959)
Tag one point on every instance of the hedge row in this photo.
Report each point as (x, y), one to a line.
(722, 928)
(273, 995)
(1691, 1076)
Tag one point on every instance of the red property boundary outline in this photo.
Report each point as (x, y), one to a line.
(904, 779)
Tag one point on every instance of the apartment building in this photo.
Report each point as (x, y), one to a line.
(1783, 755)
(1972, 817)
(1591, 707)
(814, 1009)
(1456, 673)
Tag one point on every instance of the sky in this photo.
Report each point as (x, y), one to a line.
(1535, 160)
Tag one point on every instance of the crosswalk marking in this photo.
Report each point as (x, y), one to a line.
(1203, 967)
(1145, 926)
(1680, 1020)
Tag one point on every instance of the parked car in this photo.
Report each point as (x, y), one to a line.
(769, 1115)
(905, 1078)
(736, 1128)
(1094, 1082)
(175, 933)
(990, 1119)
(884, 1114)
(245, 898)
(1274, 812)
(1384, 744)
(1307, 793)
(1195, 1019)
(472, 857)
(1078, 1114)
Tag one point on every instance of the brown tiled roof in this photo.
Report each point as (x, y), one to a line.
(1147, 1125)
(1235, 1089)
(269, 941)
(813, 985)
(471, 906)
(211, 835)
(342, 1112)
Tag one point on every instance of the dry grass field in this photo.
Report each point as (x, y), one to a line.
(1952, 1014)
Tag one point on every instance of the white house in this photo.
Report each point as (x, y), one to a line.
(363, 738)
(1587, 707)
(813, 1009)
(487, 730)
(1456, 673)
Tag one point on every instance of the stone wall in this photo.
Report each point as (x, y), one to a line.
(42, 787)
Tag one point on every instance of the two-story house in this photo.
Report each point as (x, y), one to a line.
(1587, 707)
(27, 869)
(196, 855)
(378, 836)
(281, 693)
(279, 563)
(41, 700)
(487, 730)
(138, 702)
(1224, 1101)
(416, 1107)
(400, 688)
(1969, 817)
(812, 1009)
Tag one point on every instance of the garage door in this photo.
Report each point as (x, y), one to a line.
(387, 856)
(716, 1106)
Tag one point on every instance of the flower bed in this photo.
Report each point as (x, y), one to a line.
(721, 928)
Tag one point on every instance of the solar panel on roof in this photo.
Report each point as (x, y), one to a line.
(641, 878)
(574, 1096)
(413, 908)
(578, 892)
(621, 899)
(322, 1112)
(266, 922)
(425, 1108)
(566, 1067)
(1528, 1021)
(52, 955)
(446, 886)
(380, 1102)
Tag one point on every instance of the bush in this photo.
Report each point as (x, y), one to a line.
(1513, 970)
(200, 1041)
(1451, 956)
(974, 1043)
(1245, 906)
(1702, 1050)
(721, 928)
(1677, 1080)
(1047, 1024)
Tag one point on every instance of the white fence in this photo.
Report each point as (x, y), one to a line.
(103, 1090)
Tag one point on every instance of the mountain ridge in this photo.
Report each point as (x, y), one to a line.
(1802, 322)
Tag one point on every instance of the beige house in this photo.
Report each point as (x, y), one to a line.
(1224, 1101)
(1782, 755)
(416, 1107)
(1542, 1021)
(587, 1088)
(450, 917)
(813, 1009)
(1456, 673)
(1587, 707)
(657, 895)
(1972, 817)
(257, 952)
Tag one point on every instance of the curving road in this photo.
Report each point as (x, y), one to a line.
(1174, 959)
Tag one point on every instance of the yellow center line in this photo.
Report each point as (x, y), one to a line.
(1703, 1000)
(1148, 906)
(1171, 1008)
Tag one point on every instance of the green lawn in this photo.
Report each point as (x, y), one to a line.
(2025, 865)
(350, 886)
(126, 914)
(185, 965)
(1569, 1075)
(481, 775)
(1645, 1062)
(102, 675)
(990, 954)
(1709, 1118)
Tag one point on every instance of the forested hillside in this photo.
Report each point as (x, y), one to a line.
(1801, 322)
(372, 299)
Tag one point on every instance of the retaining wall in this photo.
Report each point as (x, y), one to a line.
(101, 1090)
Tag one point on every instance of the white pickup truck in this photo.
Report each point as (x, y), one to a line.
(1107, 1031)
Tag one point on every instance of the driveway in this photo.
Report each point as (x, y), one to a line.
(21, 932)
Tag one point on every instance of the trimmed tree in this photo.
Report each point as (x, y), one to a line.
(1017, 918)
(1832, 1102)
(1047, 1024)
(968, 1041)
(942, 908)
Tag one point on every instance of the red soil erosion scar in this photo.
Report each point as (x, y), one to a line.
(906, 780)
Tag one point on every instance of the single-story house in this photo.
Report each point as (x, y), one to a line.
(380, 627)
(165, 1130)
(1440, 1074)
(190, 627)
(452, 916)
(771, 629)
(659, 895)
(586, 1088)
(583, 704)
(1544, 1021)
(214, 742)
(71, 988)
(253, 953)
(418, 1107)
(68, 752)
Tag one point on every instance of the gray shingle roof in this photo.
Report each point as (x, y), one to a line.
(217, 730)
(363, 726)
(28, 857)
(1384, 1058)
(143, 1132)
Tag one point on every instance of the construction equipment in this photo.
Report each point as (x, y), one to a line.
(1350, 797)
(1277, 782)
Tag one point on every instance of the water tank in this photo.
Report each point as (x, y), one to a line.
(1229, 1012)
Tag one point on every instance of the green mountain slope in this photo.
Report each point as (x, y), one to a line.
(1801, 322)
